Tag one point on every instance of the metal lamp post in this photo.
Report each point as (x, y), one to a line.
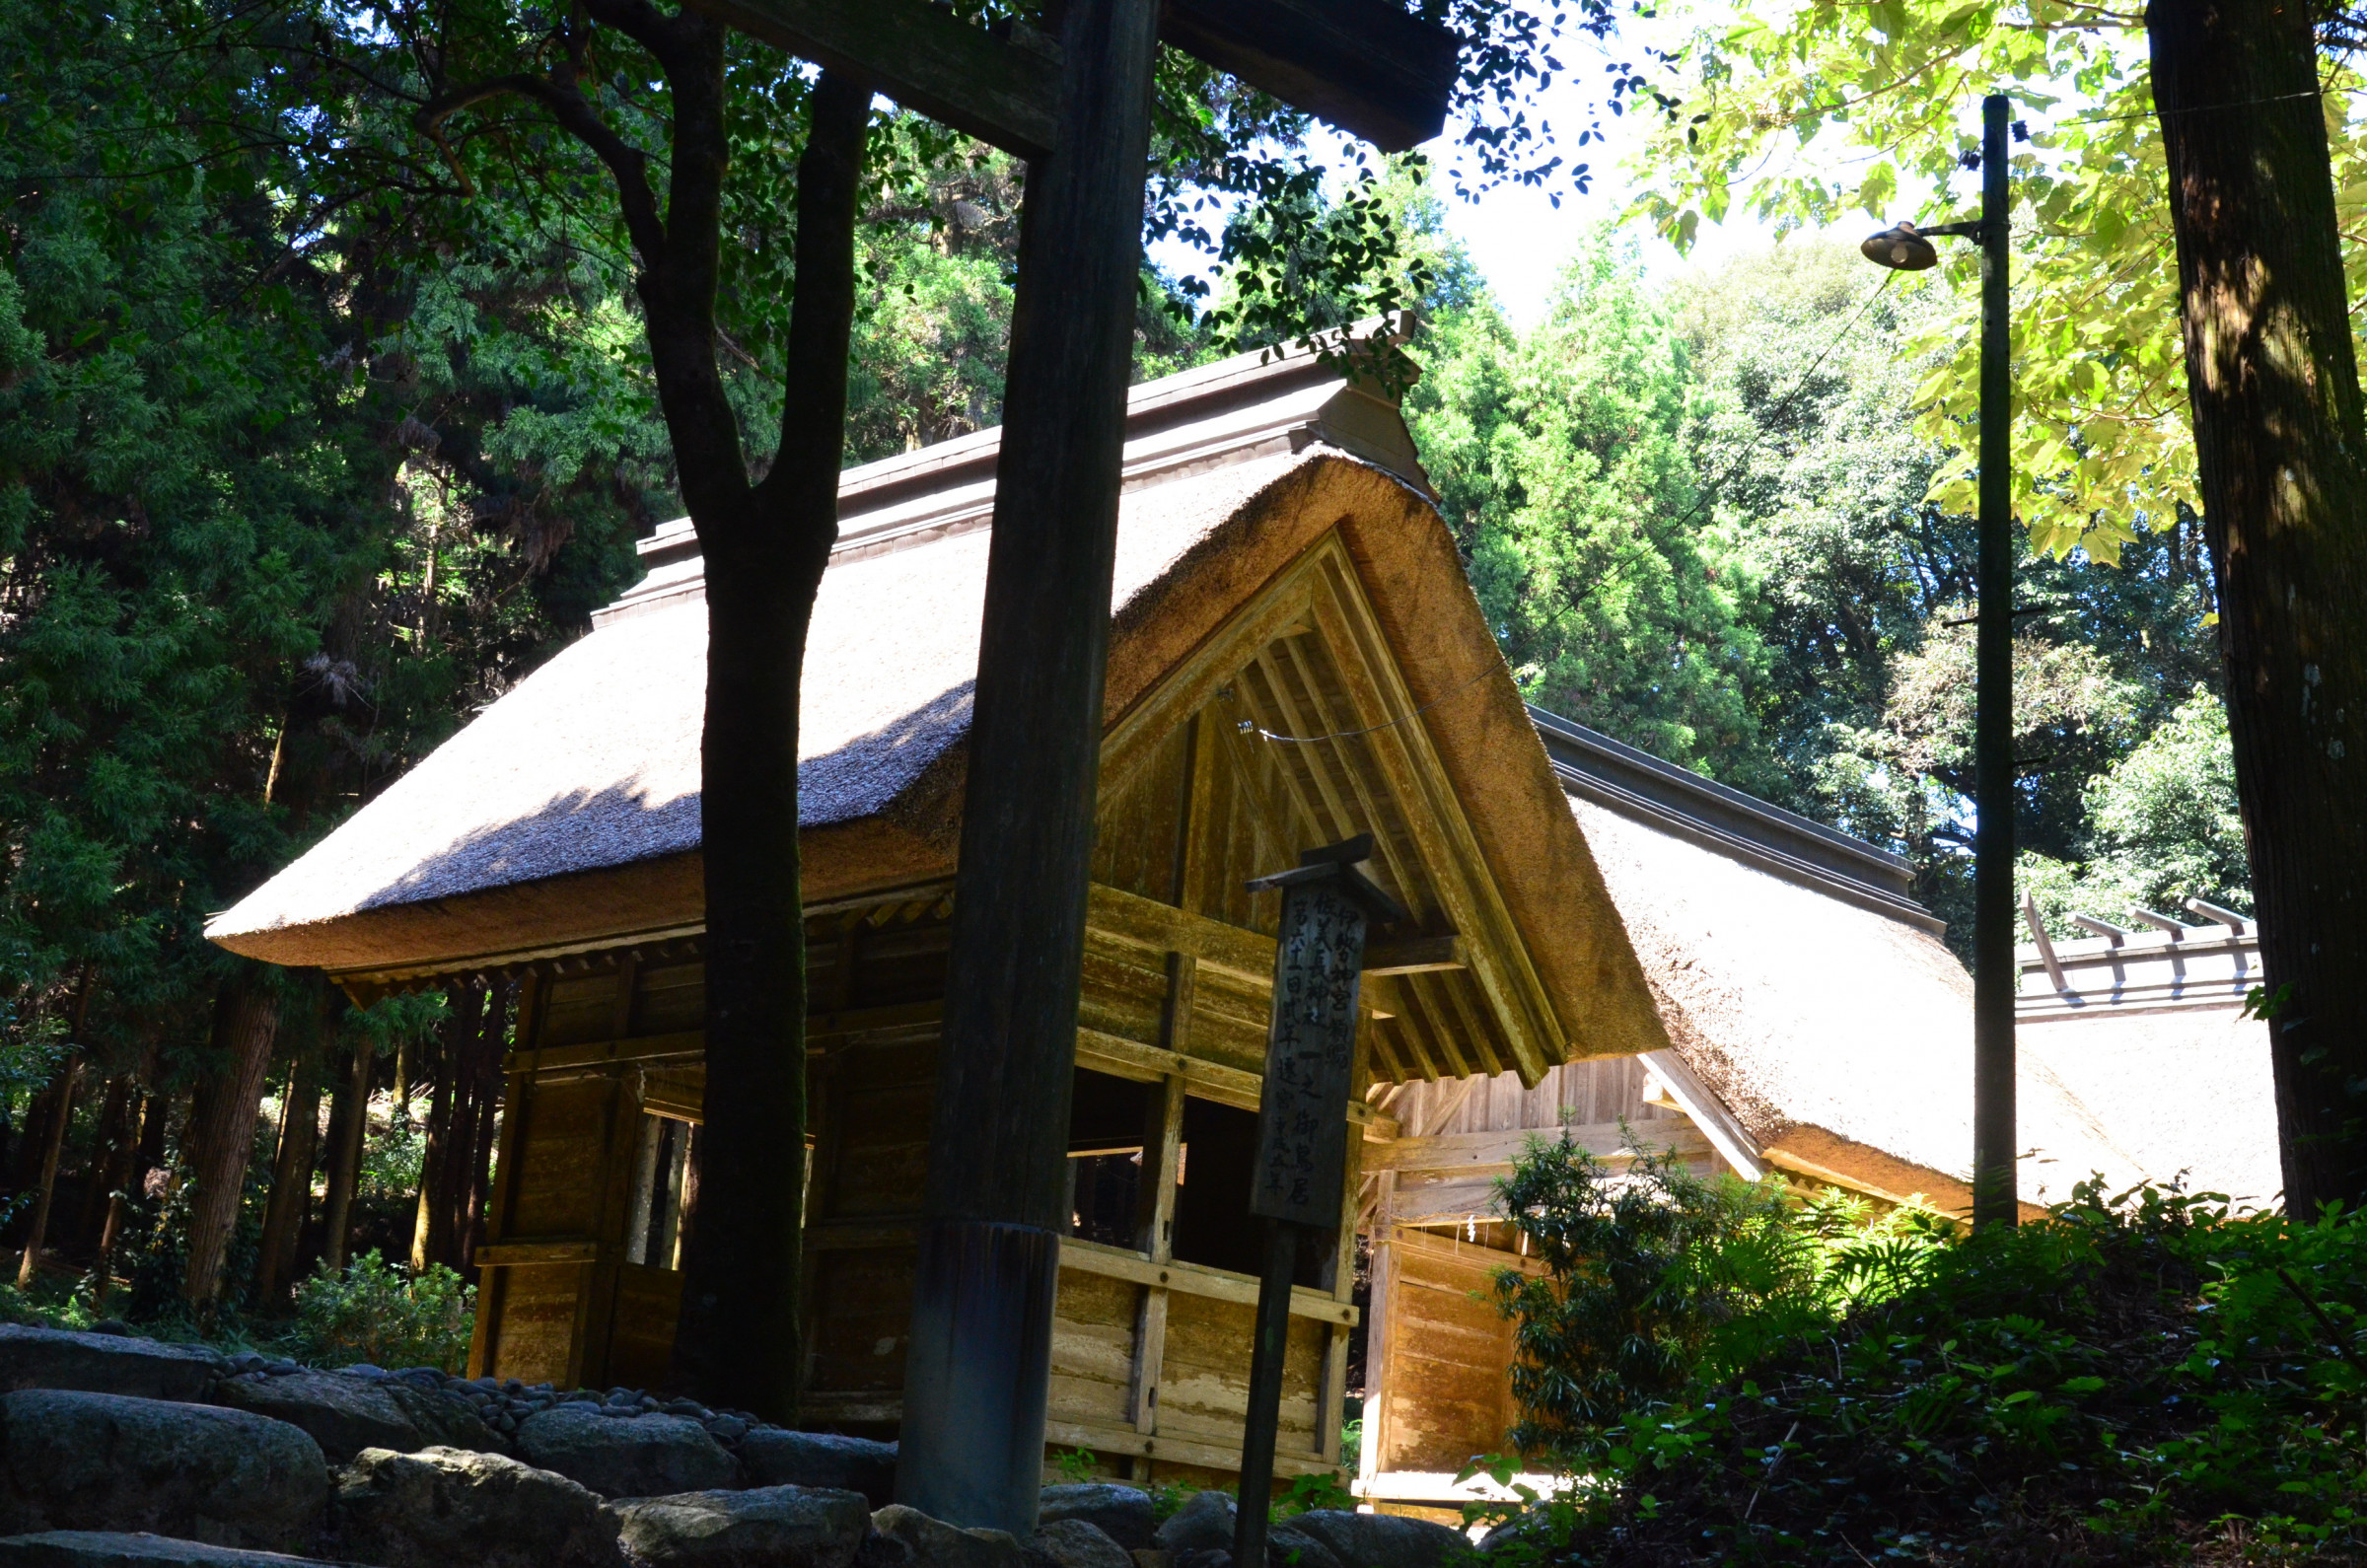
(1994, 972)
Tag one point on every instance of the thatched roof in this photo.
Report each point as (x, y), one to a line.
(566, 815)
(2148, 1029)
(1799, 983)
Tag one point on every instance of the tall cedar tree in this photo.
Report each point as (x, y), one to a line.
(2282, 450)
(765, 544)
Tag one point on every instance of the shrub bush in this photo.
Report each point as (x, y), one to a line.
(2147, 1378)
(385, 1315)
(1657, 1279)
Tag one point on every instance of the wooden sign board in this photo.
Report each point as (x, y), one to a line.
(1327, 910)
(1309, 1056)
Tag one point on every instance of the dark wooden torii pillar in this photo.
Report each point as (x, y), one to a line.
(977, 1372)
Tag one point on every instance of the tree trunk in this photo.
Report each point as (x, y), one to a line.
(111, 1153)
(221, 1139)
(291, 1179)
(2279, 430)
(34, 1136)
(435, 1237)
(348, 1129)
(738, 1338)
(147, 1153)
(53, 1140)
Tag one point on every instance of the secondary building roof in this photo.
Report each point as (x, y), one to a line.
(2148, 1027)
(1804, 988)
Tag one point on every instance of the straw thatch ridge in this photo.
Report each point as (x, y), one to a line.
(1837, 1034)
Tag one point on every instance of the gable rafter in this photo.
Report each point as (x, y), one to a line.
(1399, 743)
(1305, 658)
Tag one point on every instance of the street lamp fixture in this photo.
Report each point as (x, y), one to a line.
(1995, 974)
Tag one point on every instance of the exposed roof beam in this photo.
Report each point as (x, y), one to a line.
(2227, 917)
(1005, 92)
(1363, 65)
(2045, 946)
(1417, 956)
(2103, 928)
(2177, 928)
(1366, 67)
(1707, 1113)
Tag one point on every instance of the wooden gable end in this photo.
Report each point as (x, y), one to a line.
(1291, 727)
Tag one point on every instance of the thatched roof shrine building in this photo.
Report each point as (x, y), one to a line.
(1818, 1028)
(1597, 939)
(1295, 658)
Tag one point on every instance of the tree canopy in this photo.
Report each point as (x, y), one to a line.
(1804, 114)
(1699, 513)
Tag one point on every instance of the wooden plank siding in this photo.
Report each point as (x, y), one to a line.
(1438, 1389)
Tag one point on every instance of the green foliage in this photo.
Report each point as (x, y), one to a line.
(1561, 462)
(1316, 1489)
(1075, 1464)
(2127, 1379)
(1656, 1279)
(1699, 518)
(288, 481)
(2165, 829)
(1806, 114)
(384, 1315)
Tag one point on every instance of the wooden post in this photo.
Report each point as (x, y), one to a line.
(978, 1374)
(1301, 1174)
(1269, 1342)
(1997, 975)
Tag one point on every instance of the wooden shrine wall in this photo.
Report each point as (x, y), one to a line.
(1438, 1390)
(1150, 1350)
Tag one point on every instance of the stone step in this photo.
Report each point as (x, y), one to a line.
(99, 1548)
(145, 1369)
(102, 1461)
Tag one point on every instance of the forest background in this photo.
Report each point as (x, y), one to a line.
(296, 472)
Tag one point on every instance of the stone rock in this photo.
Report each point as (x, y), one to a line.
(1203, 1557)
(767, 1527)
(907, 1537)
(772, 1456)
(1080, 1543)
(1382, 1540)
(1123, 1513)
(1288, 1547)
(446, 1419)
(91, 1548)
(442, 1507)
(640, 1456)
(144, 1369)
(1205, 1524)
(346, 1415)
(1152, 1557)
(103, 1462)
